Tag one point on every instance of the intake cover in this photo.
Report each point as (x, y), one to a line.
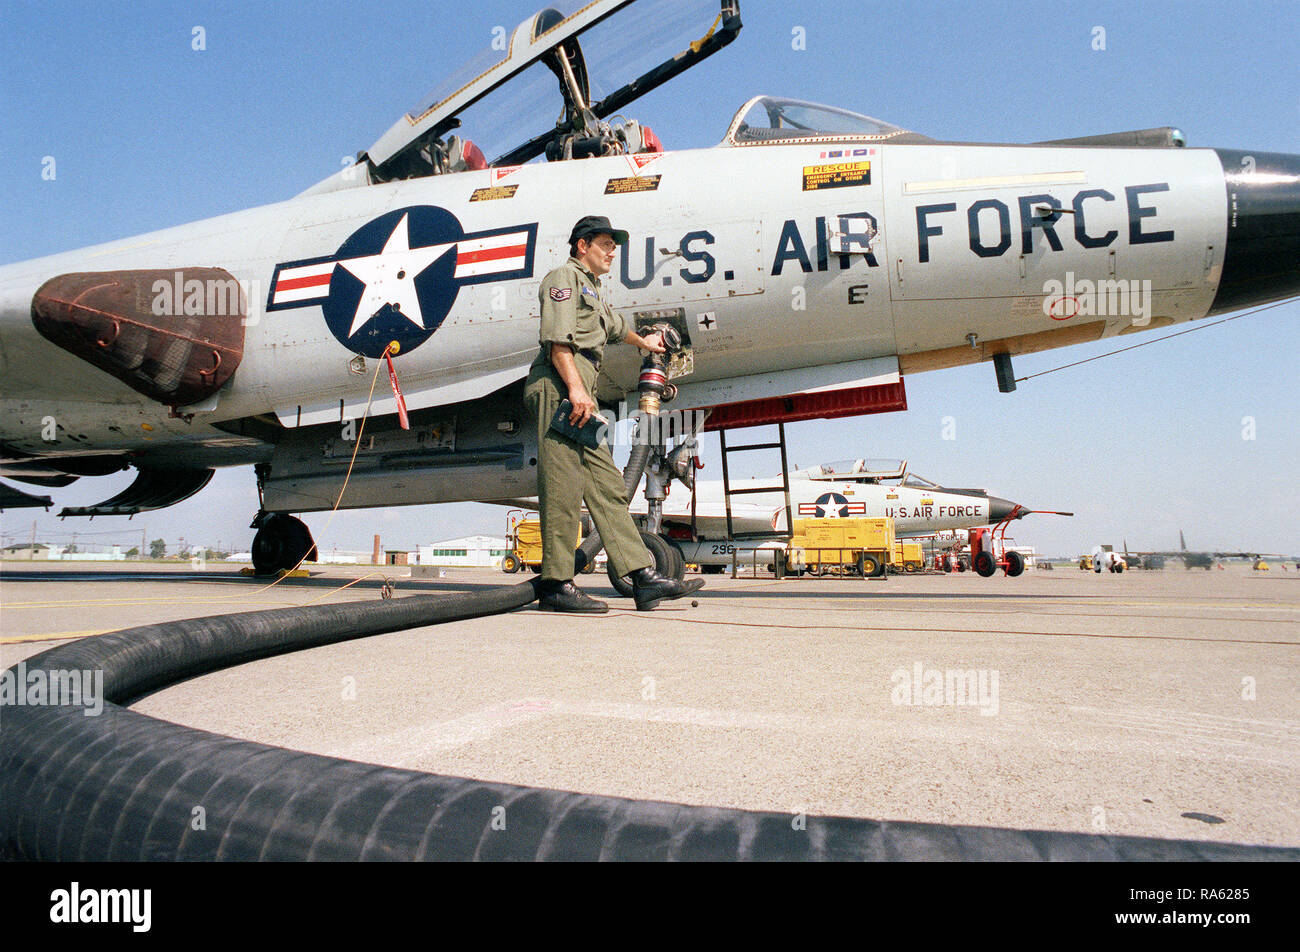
(175, 336)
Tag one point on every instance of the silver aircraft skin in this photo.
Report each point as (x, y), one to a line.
(812, 251)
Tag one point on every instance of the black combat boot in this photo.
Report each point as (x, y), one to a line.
(649, 588)
(567, 597)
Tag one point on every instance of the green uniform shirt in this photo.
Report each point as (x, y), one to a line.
(574, 312)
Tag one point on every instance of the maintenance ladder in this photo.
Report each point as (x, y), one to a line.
(784, 488)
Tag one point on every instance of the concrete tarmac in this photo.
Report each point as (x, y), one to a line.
(1159, 703)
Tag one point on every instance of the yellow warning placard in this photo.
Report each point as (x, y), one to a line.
(494, 192)
(624, 186)
(838, 175)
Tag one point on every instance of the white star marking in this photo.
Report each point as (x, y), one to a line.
(829, 509)
(390, 276)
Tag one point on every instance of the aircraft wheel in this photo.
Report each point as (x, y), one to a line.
(510, 563)
(985, 565)
(679, 560)
(282, 542)
(1015, 564)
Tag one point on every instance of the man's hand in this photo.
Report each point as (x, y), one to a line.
(583, 406)
(654, 343)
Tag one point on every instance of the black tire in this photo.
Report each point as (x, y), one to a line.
(945, 564)
(985, 565)
(589, 567)
(510, 563)
(679, 560)
(662, 552)
(1015, 564)
(880, 571)
(911, 568)
(869, 566)
(712, 569)
(281, 543)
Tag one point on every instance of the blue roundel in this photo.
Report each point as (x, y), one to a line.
(394, 280)
(832, 506)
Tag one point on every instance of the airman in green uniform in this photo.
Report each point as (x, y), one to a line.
(576, 324)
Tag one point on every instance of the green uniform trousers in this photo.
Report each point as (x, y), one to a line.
(568, 474)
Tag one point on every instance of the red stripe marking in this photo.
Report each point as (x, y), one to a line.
(491, 254)
(311, 281)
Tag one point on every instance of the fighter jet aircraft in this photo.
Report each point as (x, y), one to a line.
(259, 337)
(856, 488)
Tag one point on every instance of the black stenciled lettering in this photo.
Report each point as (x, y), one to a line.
(1137, 211)
(925, 230)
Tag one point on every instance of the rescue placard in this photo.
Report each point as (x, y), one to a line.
(493, 192)
(641, 183)
(838, 175)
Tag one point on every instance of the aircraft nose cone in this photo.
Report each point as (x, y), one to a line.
(1262, 256)
(999, 509)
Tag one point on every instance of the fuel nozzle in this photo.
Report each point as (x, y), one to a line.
(653, 385)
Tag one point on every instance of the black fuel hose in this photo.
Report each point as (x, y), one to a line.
(125, 786)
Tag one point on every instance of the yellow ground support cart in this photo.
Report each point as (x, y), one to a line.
(908, 557)
(524, 541)
(842, 546)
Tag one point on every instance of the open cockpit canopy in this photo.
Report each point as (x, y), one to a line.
(552, 87)
(859, 470)
(767, 120)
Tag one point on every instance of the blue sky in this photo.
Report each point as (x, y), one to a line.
(148, 132)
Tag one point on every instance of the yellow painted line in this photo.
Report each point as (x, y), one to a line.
(53, 636)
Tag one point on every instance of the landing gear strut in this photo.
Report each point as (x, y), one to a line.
(282, 542)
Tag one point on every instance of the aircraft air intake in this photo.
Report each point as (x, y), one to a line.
(175, 336)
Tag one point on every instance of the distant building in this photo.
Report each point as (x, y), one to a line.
(472, 551)
(56, 553)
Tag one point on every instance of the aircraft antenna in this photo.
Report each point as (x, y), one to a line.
(1199, 327)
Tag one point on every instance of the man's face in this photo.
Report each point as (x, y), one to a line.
(597, 253)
